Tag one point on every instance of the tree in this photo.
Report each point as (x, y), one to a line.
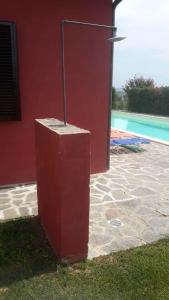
(113, 97)
(139, 82)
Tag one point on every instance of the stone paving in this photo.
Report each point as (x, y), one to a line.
(129, 204)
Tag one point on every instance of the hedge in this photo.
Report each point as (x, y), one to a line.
(149, 100)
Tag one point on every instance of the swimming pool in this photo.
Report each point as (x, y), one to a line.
(149, 126)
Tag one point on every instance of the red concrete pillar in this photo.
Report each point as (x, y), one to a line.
(63, 174)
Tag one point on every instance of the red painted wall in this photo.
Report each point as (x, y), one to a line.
(87, 72)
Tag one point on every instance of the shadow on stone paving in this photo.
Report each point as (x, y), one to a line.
(24, 251)
(126, 149)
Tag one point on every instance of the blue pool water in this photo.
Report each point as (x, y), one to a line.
(150, 126)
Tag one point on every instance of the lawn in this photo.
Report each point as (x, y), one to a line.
(29, 270)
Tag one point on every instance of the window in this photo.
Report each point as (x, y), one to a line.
(9, 91)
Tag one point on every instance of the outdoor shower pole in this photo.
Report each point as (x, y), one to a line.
(63, 74)
(63, 57)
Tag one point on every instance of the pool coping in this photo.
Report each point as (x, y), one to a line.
(142, 114)
(144, 136)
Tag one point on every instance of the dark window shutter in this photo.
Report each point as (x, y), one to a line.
(9, 91)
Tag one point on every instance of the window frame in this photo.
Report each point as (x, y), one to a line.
(15, 75)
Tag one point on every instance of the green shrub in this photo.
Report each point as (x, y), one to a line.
(141, 100)
(144, 97)
(150, 100)
(113, 97)
(119, 100)
(163, 101)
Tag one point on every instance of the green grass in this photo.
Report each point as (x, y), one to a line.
(29, 270)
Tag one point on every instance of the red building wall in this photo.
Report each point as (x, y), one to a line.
(87, 56)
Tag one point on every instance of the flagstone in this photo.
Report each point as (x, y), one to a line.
(129, 205)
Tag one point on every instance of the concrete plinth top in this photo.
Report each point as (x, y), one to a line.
(59, 127)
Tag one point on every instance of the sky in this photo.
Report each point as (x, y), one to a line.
(145, 51)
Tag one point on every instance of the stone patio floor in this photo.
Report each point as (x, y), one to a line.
(129, 205)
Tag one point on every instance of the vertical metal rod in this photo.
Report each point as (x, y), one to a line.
(63, 74)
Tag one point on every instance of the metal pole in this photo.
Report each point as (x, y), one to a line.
(88, 24)
(63, 58)
(63, 75)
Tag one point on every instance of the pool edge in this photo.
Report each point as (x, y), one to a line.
(144, 136)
